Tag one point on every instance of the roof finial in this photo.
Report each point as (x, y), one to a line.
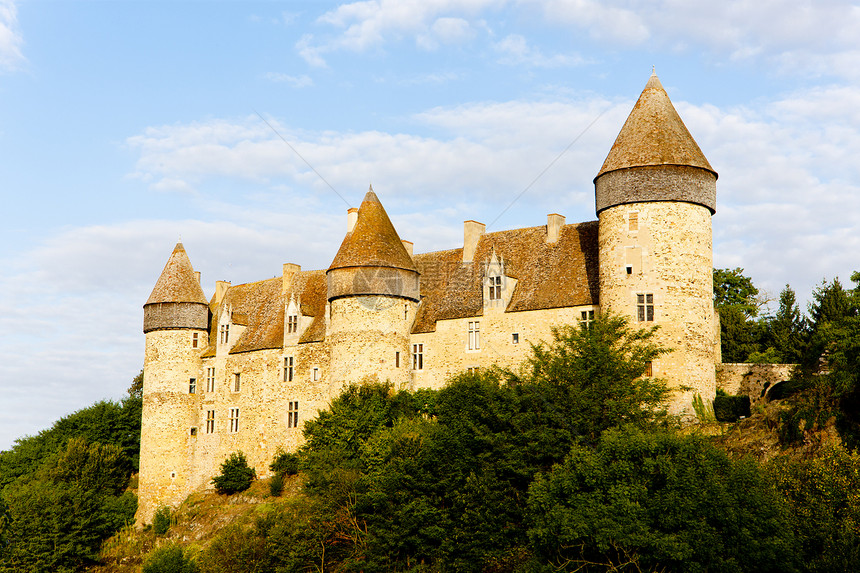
(653, 70)
(370, 188)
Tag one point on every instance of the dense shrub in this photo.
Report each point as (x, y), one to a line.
(161, 520)
(285, 464)
(169, 559)
(276, 485)
(731, 408)
(236, 475)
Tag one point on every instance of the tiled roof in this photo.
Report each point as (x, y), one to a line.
(554, 275)
(373, 241)
(177, 282)
(654, 134)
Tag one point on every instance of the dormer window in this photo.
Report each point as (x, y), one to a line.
(496, 287)
(292, 323)
(225, 333)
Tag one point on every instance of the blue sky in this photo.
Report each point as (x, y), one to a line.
(125, 125)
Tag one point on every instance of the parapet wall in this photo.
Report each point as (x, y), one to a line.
(753, 380)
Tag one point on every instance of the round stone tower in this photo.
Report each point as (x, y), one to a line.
(655, 195)
(373, 296)
(176, 324)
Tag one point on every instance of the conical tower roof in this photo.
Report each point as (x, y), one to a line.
(373, 241)
(654, 134)
(177, 282)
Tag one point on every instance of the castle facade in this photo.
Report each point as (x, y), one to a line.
(244, 368)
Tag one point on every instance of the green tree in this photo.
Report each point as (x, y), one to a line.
(236, 475)
(169, 559)
(736, 302)
(787, 330)
(58, 516)
(657, 501)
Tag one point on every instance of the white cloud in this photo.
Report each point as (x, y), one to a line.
(515, 50)
(303, 81)
(10, 36)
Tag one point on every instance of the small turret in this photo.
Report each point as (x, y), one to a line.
(177, 301)
(373, 294)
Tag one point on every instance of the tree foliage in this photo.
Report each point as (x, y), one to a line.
(236, 475)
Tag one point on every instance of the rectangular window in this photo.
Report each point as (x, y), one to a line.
(293, 323)
(474, 335)
(210, 421)
(234, 420)
(634, 221)
(405, 312)
(496, 288)
(293, 415)
(645, 307)
(515, 338)
(316, 373)
(193, 431)
(192, 385)
(236, 381)
(288, 369)
(195, 339)
(397, 359)
(210, 379)
(417, 357)
(472, 369)
(586, 317)
(649, 369)
(225, 333)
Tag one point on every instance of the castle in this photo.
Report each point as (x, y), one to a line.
(245, 368)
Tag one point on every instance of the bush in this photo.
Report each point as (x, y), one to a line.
(285, 464)
(169, 559)
(236, 474)
(731, 408)
(161, 520)
(276, 485)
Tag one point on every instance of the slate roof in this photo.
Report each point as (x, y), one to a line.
(177, 282)
(654, 134)
(373, 241)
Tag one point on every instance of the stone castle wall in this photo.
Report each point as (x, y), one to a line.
(664, 249)
(753, 380)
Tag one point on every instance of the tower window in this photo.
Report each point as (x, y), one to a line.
(292, 323)
(417, 357)
(515, 338)
(649, 369)
(237, 380)
(496, 287)
(195, 339)
(288, 369)
(234, 420)
(293, 415)
(629, 269)
(405, 312)
(397, 359)
(645, 307)
(193, 431)
(210, 421)
(474, 335)
(192, 385)
(316, 373)
(210, 379)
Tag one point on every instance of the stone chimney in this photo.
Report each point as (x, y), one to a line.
(472, 231)
(351, 218)
(409, 246)
(290, 272)
(220, 289)
(554, 223)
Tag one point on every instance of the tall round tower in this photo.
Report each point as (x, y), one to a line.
(373, 295)
(176, 324)
(655, 195)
